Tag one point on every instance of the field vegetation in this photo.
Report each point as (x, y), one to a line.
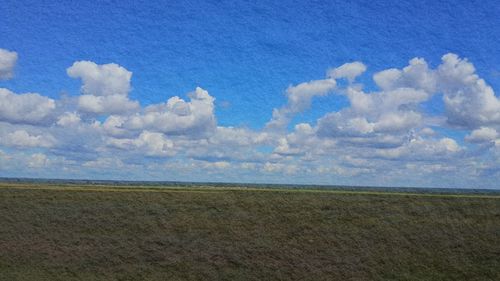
(50, 232)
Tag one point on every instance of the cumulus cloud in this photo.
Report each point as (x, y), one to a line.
(101, 80)
(348, 70)
(38, 160)
(416, 75)
(302, 141)
(8, 61)
(113, 126)
(113, 104)
(69, 119)
(233, 136)
(483, 134)
(29, 108)
(216, 165)
(288, 169)
(225, 144)
(105, 87)
(104, 163)
(383, 112)
(299, 99)
(422, 149)
(149, 143)
(469, 101)
(177, 116)
(394, 111)
(21, 138)
(381, 134)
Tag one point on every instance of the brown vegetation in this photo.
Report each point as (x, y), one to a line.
(246, 235)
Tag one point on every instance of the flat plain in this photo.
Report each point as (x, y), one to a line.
(52, 232)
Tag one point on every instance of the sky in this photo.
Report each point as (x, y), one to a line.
(320, 92)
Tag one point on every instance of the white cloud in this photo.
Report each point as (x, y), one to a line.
(273, 167)
(178, 117)
(423, 149)
(8, 61)
(483, 134)
(288, 169)
(21, 138)
(348, 70)
(231, 136)
(113, 104)
(149, 143)
(427, 132)
(38, 160)
(101, 80)
(224, 144)
(299, 100)
(244, 165)
(380, 136)
(5, 160)
(104, 163)
(469, 101)
(416, 75)
(383, 112)
(217, 165)
(397, 121)
(284, 148)
(394, 100)
(29, 108)
(303, 142)
(105, 88)
(113, 126)
(69, 119)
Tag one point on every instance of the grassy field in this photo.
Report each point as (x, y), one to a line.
(104, 233)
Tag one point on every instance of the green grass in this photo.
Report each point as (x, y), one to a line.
(104, 233)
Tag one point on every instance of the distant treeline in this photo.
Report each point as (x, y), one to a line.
(246, 185)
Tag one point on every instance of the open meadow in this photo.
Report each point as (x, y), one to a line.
(50, 232)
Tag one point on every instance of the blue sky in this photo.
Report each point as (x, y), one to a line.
(246, 55)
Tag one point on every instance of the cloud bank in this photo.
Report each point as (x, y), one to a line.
(8, 60)
(385, 136)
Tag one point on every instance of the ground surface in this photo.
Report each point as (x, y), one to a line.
(101, 233)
